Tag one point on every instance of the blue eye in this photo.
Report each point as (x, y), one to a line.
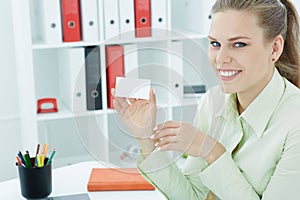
(239, 44)
(215, 44)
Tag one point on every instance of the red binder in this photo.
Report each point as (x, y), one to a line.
(110, 179)
(114, 68)
(142, 10)
(71, 20)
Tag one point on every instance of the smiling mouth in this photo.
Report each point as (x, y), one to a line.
(228, 74)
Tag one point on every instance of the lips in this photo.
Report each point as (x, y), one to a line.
(228, 74)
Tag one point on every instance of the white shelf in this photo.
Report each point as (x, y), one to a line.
(156, 60)
(38, 45)
(172, 35)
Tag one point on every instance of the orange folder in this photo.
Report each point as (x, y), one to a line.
(114, 68)
(110, 179)
(71, 20)
(142, 11)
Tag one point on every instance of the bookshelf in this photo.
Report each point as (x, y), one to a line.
(100, 134)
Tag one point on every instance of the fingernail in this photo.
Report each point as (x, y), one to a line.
(155, 128)
(158, 149)
(153, 91)
(152, 136)
(156, 144)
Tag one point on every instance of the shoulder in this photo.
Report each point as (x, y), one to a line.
(214, 96)
(289, 106)
(212, 102)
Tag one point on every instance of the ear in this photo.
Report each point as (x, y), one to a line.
(277, 48)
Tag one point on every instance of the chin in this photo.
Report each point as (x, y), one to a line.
(228, 90)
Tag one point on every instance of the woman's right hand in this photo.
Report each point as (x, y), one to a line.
(139, 116)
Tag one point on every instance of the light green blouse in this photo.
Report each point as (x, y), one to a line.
(266, 164)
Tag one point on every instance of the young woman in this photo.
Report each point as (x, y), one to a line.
(246, 144)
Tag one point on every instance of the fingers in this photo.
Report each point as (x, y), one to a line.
(168, 124)
(152, 98)
(164, 133)
(118, 107)
(122, 102)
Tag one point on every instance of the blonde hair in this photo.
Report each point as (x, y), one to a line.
(276, 18)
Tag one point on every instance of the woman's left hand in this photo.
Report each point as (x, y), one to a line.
(185, 138)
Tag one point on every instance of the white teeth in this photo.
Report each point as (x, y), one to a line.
(228, 73)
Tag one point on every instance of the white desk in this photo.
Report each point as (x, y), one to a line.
(73, 180)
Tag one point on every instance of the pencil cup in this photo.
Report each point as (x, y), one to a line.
(36, 182)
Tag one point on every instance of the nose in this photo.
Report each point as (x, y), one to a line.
(223, 56)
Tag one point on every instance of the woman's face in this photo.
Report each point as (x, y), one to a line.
(239, 53)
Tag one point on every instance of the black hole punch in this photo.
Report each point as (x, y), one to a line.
(176, 85)
(71, 24)
(112, 22)
(143, 20)
(91, 23)
(127, 21)
(160, 19)
(209, 16)
(53, 25)
(78, 94)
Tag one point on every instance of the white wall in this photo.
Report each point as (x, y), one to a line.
(9, 105)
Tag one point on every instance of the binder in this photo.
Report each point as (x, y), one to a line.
(114, 68)
(131, 65)
(46, 21)
(127, 25)
(93, 78)
(142, 10)
(117, 179)
(176, 72)
(89, 20)
(72, 78)
(71, 20)
(111, 19)
(159, 17)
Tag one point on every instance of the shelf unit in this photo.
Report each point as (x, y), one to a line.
(100, 134)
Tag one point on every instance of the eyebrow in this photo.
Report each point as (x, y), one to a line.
(231, 39)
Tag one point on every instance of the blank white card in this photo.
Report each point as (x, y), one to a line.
(132, 88)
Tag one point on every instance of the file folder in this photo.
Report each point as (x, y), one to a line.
(176, 72)
(72, 78)
(111, 19)
(131, 65)
(93, 78)
(46, 21)
(71, 20)
(117, 179)
(127, 25)
(114, 68)
(159, 18)
(142, 10)
(101, 20)
(89, 20)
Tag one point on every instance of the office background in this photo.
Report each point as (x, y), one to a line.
(15, 118)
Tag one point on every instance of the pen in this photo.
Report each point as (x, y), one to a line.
(19, 161)
(38, 158)
(44, 150)
(51, 156)
(27, 160)
(21, 157)
(37, 152)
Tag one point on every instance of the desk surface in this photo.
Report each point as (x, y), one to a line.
(73, 180)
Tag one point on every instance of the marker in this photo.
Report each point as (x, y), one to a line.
(27, 160)
(19, 161)
(44, 150)
(21, 157)
(51, 156)
(39, 162)
(37, 152)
